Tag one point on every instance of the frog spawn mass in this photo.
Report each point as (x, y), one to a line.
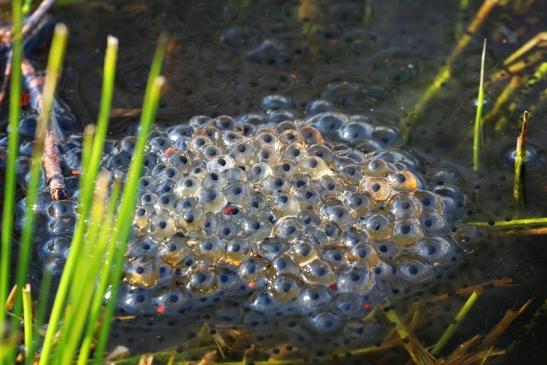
(278, 217)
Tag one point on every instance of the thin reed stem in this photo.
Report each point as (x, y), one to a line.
(478, 134)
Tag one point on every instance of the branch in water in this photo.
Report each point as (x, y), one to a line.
(51, 158)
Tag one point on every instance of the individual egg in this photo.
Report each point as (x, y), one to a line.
(169, 173)
(228, 229)
(145, 247)
(406, 232)
(141, 271)
(190, 219)
(202, 280)
(220, 163)
(313, 298)
(250, 269)
(173, 250)
(286, 169)
(259, 172)
(61, 226)
(284, 265)
(404, 181)
(303, 253)
(224, 122)
(285, 288)
(285, 204)
(437, 250)
(135, 301)
(363, 254)
(180, 160)
(54, 248)
(414, 271)
(355, 280)
(377, 226)
(61, 209)
(324, 322)
(159, 144)
(359, 202)
(377, 188)
(263, 301)
(210, 152)
(311, 135)
(267, 155)
(210, 249)
(267, 139)
(353, 236)
(315, 166)
(162, 226)
(237, 193)
(211, 200)
(243, 153)
(165, 203)
(433, 223)
(146, 183)
(234, 174)
(295, 152)
(405, 206)
(287, 229)
(171, 301)
(228, 279)
(323, 152)
(237, 250)
(308, 198)
(187, 187)
(290, 136)
(231, 138)
(318, 272)
(141, 220)
(339, 214)
(213, 180)
(270, 248)
(148, 198)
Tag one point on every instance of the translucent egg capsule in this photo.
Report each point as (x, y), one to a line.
(141, 220)
(263, 301)
(354, 132)
(355, 280)
(150, 160)
(119, 160)
(352, 173)
(285, 204)
(213, 180)
(228, 279)
(243, 153)
(340, 215)
(211, 200)
(285, 288)
(236, 251)
(312, 298)
(323, 152)
(202, 280)
(199, 120)
(178, 131)
(254, 228)
(231, 138)
(220, 163)
(405, 206)
(404, 181)
(267, 139)
(165, 275)
(300, 182)
(141, 271)
(335, 258)
(60, 209)
(171, 301)
(333, 233)
(387, 249)
(406, 232)
(197, 143)
(267, 155)
(173, 250)
(210, 151)
(414, 271)
(187, 187)
(311, 135)
(309, 218)
(228, 229)
(234, 174)
(135, 301)
(56, 247)
(275, 184)
(54, 267)
(437, 250)
(382, 272)
(165, 202)
(157, 169)
(162, 226)
(287, 229)
(324, 322)
(303, 253)
(434, 223)
(208, 130)
(237, 193)
(250, 269)
(165, 187)
(377, 188)
(357, 201)
(210, 249)
(198, 170)
(308, 198)
(316, 167)
(295, 152)
(159, 144)
(180, 160)
(377, 226)
(353, 236)
(190, 219)
(330, 186)
(148, 198)
(61, 226)
(318, 272)
(363, 254)
(286, 168)
(259, 172)
(145, 247)
(169, 173)
(376, 167)
(224, 122)
(290, 136)
(270, 248)
(285, 265)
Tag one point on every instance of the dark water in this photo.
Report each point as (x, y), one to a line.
(227, 55)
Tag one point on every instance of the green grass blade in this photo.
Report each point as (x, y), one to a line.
(27, 317)
(451, 329)
(55, 60)
(514, 223)
(127, 205)
(13, 145)
(43, 298)
(478, 129)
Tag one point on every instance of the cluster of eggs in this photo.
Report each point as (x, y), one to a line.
(290, 217)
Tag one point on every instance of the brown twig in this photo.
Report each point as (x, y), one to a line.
(51, 159)
(5, 79)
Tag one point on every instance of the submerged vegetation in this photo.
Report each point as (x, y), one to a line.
(78, 326)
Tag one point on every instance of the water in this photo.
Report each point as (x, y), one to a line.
(227, 56)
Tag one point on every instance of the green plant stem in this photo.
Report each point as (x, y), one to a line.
(27, 316)
(515, 223)
(127, 205)
(43, 298)
(520, 158)
(451, 329)
(402, 331)
(55, 60)
(478, 134)
(13, 146)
